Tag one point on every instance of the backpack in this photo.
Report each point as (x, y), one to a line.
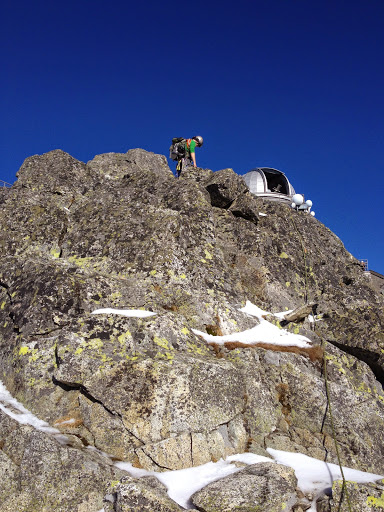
(177, 150)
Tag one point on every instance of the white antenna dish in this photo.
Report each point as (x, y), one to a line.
(298, 199)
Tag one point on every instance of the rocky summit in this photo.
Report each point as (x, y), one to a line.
(123, 308)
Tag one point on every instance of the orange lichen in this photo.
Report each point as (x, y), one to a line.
(136, 463)
(314, 353)
(215, 329)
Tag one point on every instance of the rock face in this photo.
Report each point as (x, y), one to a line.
(121, 232)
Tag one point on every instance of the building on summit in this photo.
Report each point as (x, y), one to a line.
(270, 184)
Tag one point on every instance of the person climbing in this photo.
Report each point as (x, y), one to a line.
(189, 158)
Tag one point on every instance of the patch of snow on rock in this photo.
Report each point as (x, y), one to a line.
(316, 476)
(264, 332)
(18, 412)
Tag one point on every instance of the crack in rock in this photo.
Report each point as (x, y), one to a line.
(191, 438)
(71, 386)
(66, 386)
(153, 460)
(50, 331)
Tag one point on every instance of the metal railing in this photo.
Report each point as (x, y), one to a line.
(5, 184)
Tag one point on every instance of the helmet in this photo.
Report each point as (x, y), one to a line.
(198, 139)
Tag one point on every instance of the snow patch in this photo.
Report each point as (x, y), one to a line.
(264, 332)
(182, 483)
(66, 422)
(253, 310)
(18, 412)
(314, 319)
(316, 476)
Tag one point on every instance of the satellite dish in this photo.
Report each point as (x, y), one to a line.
(298, 199)
(309, 202)
(313, 214)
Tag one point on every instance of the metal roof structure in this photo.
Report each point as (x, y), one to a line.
(269, 183)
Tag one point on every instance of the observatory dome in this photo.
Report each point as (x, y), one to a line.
(270, 184)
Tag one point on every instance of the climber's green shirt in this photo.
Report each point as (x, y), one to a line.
(192, 146)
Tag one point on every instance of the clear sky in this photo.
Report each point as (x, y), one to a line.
(297, 85)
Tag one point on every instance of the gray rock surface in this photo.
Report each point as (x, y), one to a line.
(225, 187)
(39, 474)
(144, 495)
(264, 486)
(361, 497)
(122, 232)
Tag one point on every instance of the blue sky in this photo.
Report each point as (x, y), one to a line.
(293, 84)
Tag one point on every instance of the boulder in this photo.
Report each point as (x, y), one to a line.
(224, 187)
(266, 486)
(55, 172)
(196, 174)
(116, 165)
(146, 494)
(245, 206)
